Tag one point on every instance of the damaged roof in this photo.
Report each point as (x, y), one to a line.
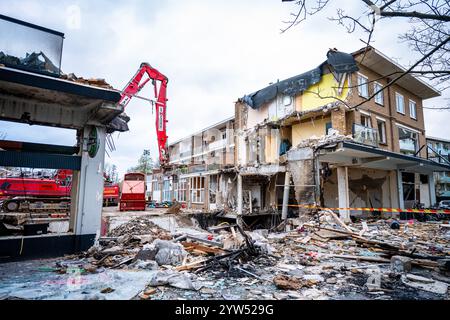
(340, 63)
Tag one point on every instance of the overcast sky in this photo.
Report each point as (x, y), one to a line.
(213, 52)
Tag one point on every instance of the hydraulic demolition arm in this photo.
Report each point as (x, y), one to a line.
(132, 89)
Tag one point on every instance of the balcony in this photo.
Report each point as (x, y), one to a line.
(365, 135)
(217, 145)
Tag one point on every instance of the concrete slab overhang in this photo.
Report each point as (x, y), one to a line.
(352, 154)
(385, 66)
(38, 99)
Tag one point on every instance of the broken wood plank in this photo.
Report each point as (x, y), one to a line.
(424, 263)
(360, 258)
(339, 221)
(221, 227)
(191, 246)
(122, 263)
(192, 265)
(210, 242)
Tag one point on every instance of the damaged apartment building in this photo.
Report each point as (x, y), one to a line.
(323, 138)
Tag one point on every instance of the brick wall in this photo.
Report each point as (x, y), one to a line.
(387, 110)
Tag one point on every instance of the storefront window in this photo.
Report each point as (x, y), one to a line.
(180, 190)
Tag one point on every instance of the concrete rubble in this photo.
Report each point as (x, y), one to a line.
(322, 258)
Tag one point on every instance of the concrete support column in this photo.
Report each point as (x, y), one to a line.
(90, 183)
(344, 202)
(287, 185)
(239, 198)
(401, 201)
(432, 186)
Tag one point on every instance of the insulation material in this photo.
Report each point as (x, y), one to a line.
(309, 129)
(322, 93)
(340, 62)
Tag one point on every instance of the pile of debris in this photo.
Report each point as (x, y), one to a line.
(101, 83)
(323, 258)
(37, 61)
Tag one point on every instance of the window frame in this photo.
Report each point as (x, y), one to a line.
(414, 134)
(382, 133)
(180, 190)
(197, 189)
(166, 193)
(412, 102)
(378, 95)
(397, 95)
(366, 116)
(360, 86)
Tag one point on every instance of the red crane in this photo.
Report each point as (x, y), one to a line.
(132, 89)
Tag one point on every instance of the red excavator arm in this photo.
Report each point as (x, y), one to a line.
(133, 88)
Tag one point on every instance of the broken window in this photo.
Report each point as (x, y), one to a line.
(381, 124)
(379, 97)
(412, 109)
(400, 103)
(363, 88)
(408, 141)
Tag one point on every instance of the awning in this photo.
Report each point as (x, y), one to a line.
(43, 100)
(352, 154)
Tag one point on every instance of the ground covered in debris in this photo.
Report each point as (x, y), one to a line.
(171, 257)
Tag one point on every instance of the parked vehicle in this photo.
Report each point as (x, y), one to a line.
(444, 204)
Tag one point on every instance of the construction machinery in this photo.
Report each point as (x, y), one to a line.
(36, 194)
(133, 188)
(132, 89)
(133, 192)
(45, 194)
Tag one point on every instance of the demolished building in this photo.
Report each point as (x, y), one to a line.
(318, 139)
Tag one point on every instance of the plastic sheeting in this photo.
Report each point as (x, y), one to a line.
(340, 62)
(35, 280)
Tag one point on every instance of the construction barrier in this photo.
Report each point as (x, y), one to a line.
(434, 211)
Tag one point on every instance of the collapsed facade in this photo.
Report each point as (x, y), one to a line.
(309, 141)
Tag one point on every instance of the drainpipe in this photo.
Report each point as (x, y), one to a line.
(287, 182)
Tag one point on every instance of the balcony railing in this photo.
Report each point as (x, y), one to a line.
(365, 135)
(217, 145)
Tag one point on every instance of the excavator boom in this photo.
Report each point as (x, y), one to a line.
(159, 82)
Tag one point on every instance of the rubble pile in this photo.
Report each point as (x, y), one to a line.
(140, 226)
(36, 60)
(333, 136)
(323, 258)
